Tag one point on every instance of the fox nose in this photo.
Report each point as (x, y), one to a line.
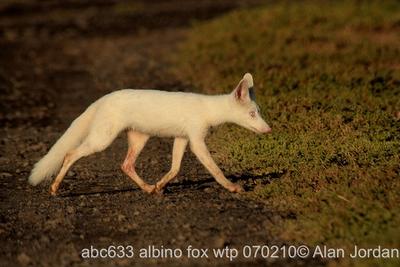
(266, 130)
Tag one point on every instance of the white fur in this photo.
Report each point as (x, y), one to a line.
(51, 163)
(151, 112)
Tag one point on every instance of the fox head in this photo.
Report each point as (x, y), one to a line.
(245, 111)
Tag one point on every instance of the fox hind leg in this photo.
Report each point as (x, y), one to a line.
(96, 141)
(136, 142)
(71, 157)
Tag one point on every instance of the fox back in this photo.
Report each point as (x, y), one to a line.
(161, 113)
(177, 113)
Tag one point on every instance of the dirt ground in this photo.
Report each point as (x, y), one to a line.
(56, 58)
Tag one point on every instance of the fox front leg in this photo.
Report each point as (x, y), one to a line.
(177, 154)
(199, 148)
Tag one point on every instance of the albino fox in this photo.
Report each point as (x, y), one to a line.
(185, 116)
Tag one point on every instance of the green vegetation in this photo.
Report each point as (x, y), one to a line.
(327, 76)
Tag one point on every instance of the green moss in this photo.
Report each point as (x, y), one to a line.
(328, 82)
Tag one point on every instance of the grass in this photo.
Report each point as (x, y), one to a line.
(327, 76)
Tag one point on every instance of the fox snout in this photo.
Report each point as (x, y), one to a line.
(263, 127)
(266, 130)
(260, 128)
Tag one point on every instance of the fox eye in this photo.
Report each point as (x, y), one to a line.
(252, 114)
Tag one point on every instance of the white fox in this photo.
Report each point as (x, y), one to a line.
(185, 116)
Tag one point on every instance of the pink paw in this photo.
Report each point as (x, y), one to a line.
(158, 189)
(235, 188)
(148, 188)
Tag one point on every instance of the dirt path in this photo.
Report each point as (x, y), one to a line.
(55, 60)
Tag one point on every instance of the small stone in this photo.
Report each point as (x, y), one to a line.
(37, 147)
(121, 217)
(23, 259)
(70, 209)
(133, 226)
(123, 262)
(6, 174)
(104, 239)
(44, 239)
(123, 230)
(208, 190)
(219, 241)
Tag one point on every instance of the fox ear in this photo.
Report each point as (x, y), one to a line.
(244, 90)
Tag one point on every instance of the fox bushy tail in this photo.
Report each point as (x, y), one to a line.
(73, 136)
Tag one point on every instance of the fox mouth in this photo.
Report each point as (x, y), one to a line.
(254, 129)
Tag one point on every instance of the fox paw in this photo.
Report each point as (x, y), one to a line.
(235, 188)
(158, 190)
(53, 191)
(148, 188)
